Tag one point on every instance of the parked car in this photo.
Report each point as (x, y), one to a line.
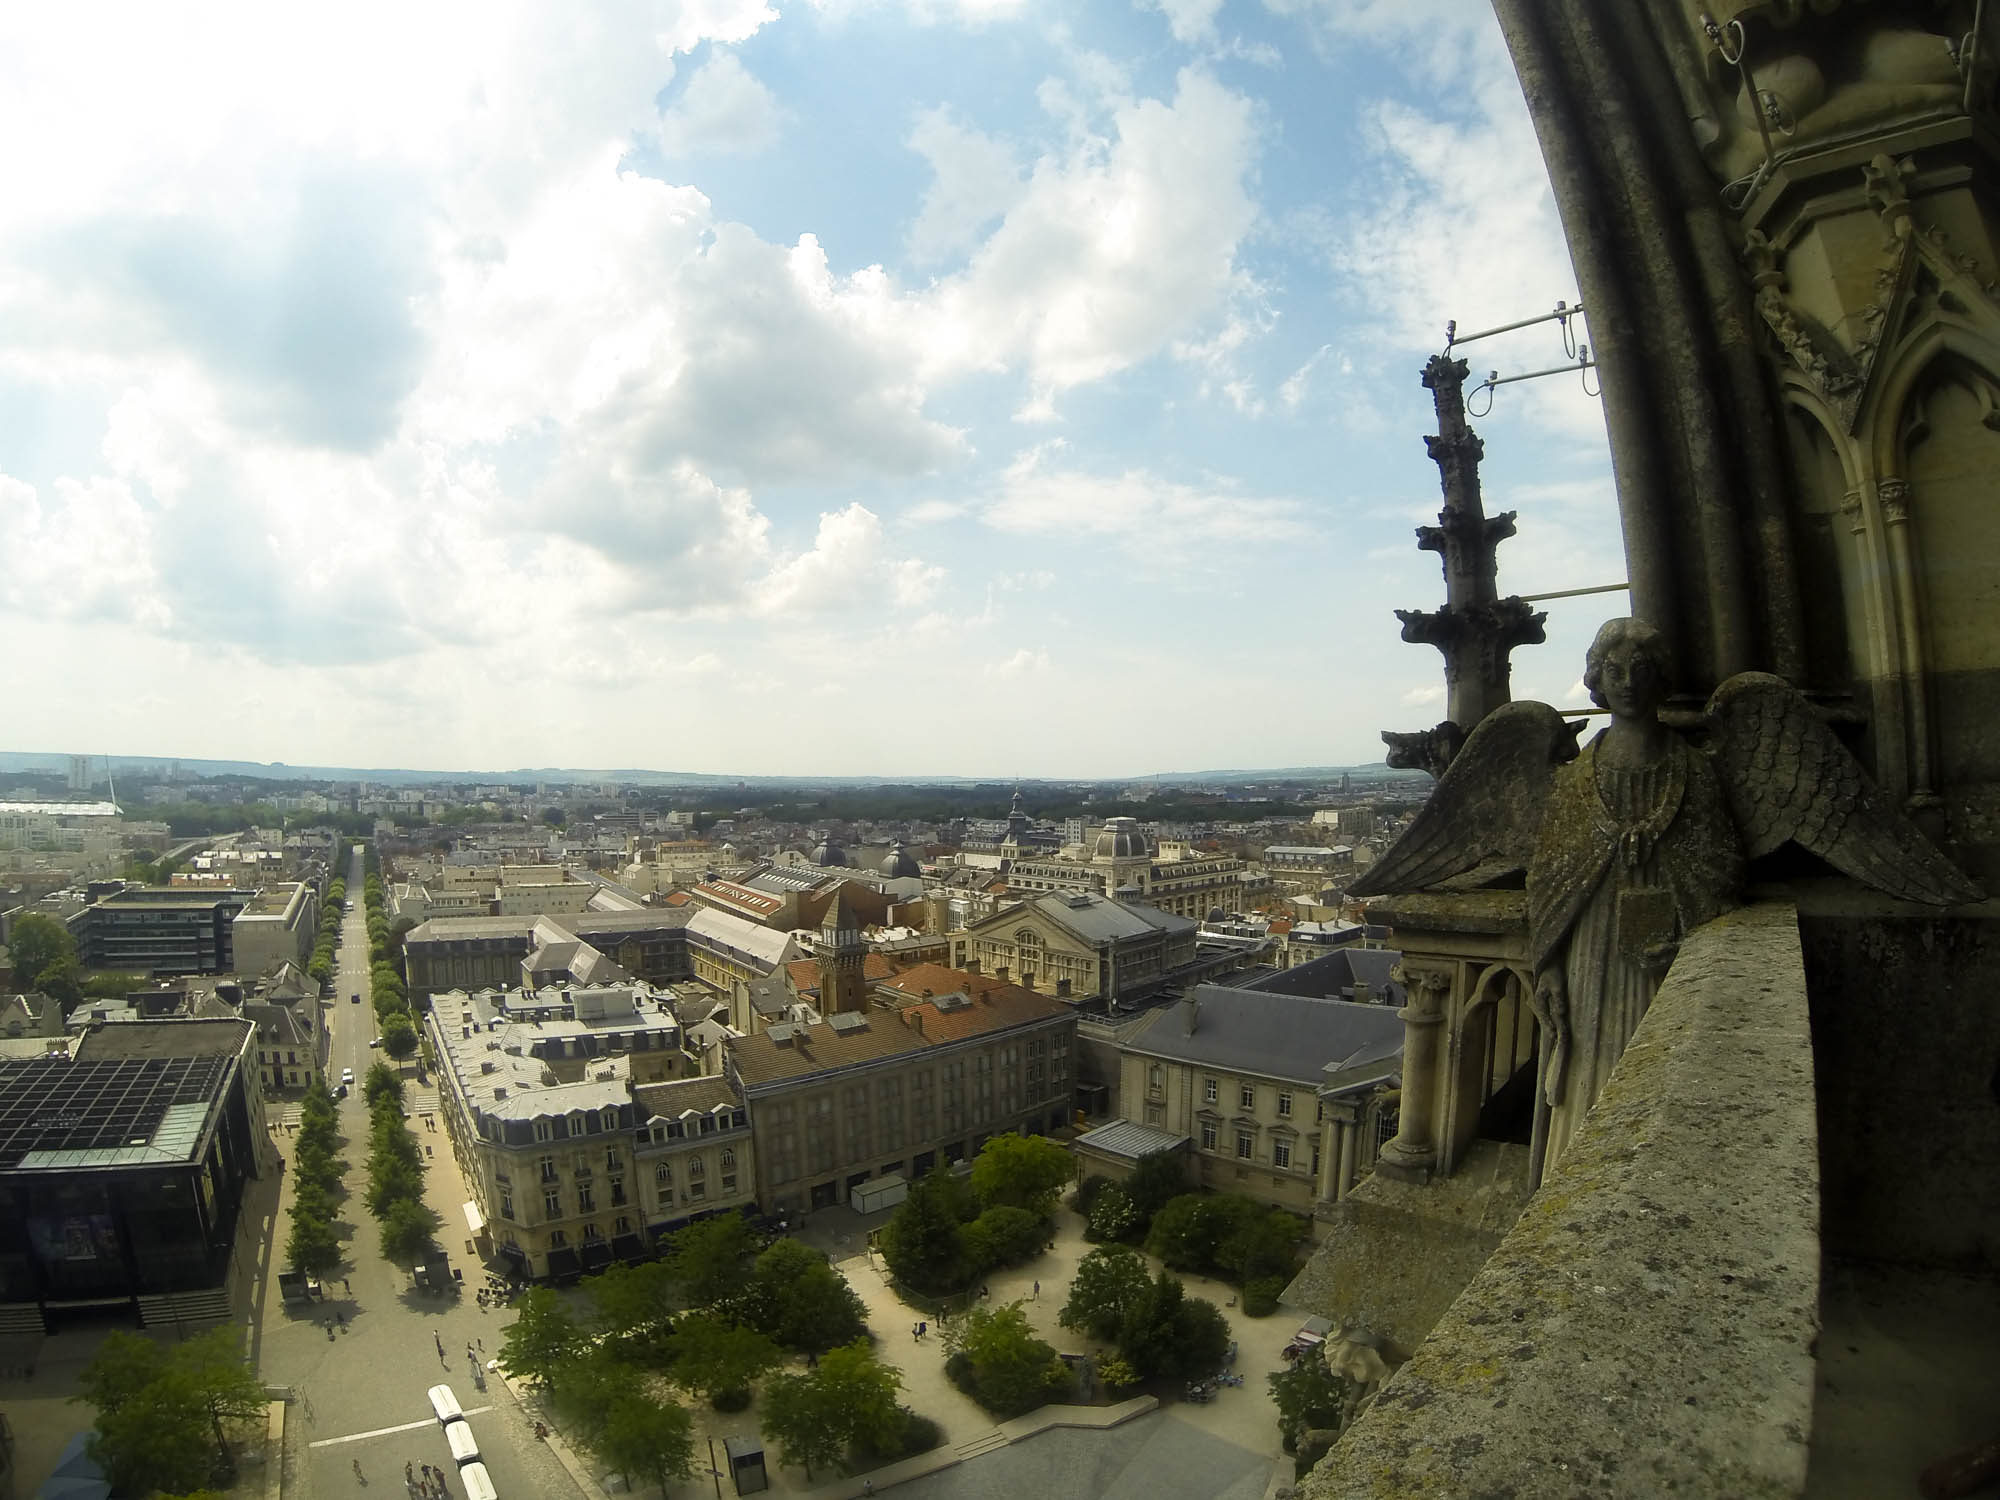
(375, 1042)
(341, 1092)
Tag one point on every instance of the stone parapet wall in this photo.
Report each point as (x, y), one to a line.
(1647, 1326)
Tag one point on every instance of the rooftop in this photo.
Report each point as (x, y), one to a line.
(56, 1113)
(795, 1050)
(1099, 919)
(1273, 1036)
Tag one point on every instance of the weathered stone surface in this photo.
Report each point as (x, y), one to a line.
(1906, 1037)
(1646, 1328)
(1395, 1254)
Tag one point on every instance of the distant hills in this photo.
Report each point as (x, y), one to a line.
(142, 767)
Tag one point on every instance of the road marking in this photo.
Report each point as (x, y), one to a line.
(358, 1437)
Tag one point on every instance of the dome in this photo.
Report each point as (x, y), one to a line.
(900, 865)
(828, 855)
(1120, 838)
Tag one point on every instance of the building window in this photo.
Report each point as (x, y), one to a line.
(548, 1169)
(576, 1122)
(1247, 1097)
(1208, 1135)
(1281, 1153)
(585, 1202)
(663, 1174)
(623, 1226)
(557, 1239)
(543, 1129)
(611, 1159)
(610, 1117)
(1243, 1145)
(1284, 1104)
(1155, 1079)
(617, 1191)
(506, 1203)
(1156, 1114)
(592, 1232)
(552, 1204)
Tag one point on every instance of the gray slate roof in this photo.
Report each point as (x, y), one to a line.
(1287, 1037)
(1099, 919)
(1130, 1139)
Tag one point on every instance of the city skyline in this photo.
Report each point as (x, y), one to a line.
(682, 389)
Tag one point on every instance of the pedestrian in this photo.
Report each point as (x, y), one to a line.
(923, 1328)
(1038, 1291)
(916, 1332)
(359, 1477)
(440, 1343)
(410, 1475)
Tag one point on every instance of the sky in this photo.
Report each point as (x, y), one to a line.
(845, 387)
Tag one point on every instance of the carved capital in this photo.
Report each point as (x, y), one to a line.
(1895, 497)
(1850, 507)
(1426, 985)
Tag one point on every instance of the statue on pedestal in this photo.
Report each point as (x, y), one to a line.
(1642, 837)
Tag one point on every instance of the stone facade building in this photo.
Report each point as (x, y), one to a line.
(1077, 944)
(870, 1093)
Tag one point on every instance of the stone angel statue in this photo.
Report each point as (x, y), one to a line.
(1641, 837)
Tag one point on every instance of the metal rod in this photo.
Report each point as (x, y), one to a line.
(1602, 588)
(1453, 337)
(1492, 380)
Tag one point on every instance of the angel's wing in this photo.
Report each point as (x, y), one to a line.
(1788, 779)
(1487, 806)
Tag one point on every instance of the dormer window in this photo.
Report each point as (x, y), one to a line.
(610, 1117)
(576, 1122)
(544, 1127)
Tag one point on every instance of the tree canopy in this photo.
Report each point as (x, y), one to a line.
(543, 1336)
(850, 1398)
(44, 952)
(161, 1411)
(709, 1258)
(1108, 1281)
(1022, 1171)
(1008, 1369)
(796, 1297)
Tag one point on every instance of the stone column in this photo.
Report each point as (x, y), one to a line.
(1412, 1155)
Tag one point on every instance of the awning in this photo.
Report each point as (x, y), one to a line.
(628, 1247)
(596, 1254)
(563, 1262)
(475, 1221)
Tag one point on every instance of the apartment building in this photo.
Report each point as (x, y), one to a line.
(1077, 944)
(278, 926)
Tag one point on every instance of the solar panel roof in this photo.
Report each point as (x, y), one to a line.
(111, 1112)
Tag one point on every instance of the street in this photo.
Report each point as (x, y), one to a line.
(362, 1390)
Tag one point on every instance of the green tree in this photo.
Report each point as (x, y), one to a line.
(314, 1247)
(797, 1297)
(399, 1036)
(643, 1435)
(38, 943)
(1265, 1244)
(380, 1080)
(408, 1231)
(124, 1365)
(1022, 1171)
(713, 1358)
(802, 1417)
(543, 1336)
(227, 1388)
(1010, 1369)
(1004, 1236)
(924, 1242)
(1156, 1182)
(708, 1259)
(1108, 1281)
(865, 1391)
(157, 1440)
(1112, 1214)
(1188, 1234)
(633, 1307)
(1308, 1395)
(1167, 1332)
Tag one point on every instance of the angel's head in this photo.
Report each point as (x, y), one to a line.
(1627, 669)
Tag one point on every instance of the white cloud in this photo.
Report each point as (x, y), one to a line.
(1146, 513)
(1190, 21)
(974, 181)
(722, 108)
(1419, 696)
(1023, 663)
(846, 568)
(1122, 243)
(1293, 392)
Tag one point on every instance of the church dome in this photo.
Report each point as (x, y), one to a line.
(827, 854)
(1121, 838)
(900, 865)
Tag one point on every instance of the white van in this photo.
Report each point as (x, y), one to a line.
(464, 1447)
(445, 1404)
(478, 1483)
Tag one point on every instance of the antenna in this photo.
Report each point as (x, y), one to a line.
(111, 776)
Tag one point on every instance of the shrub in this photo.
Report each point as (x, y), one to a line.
(1260, 1297)
(736, 1400)
(1112, 1215)
(1087, 1191)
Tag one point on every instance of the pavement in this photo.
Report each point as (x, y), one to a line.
(359, 1394)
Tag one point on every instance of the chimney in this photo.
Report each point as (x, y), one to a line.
(1191, 1013)
(916, 1020)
